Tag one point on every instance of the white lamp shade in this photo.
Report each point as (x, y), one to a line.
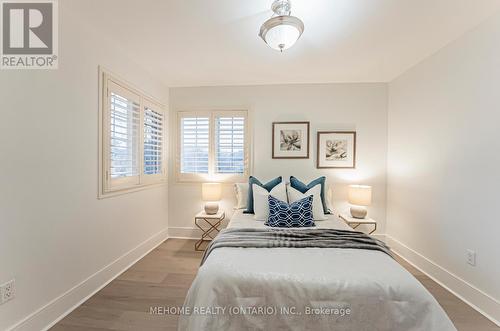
(360, 195)
(211, 191)
(281, 32)
(282, 37)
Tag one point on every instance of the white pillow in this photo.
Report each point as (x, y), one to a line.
(260, 200)
(329, 198)
(241, 190)
(315, 191)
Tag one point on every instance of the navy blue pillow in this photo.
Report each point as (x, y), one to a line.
(303, 188)
(268, 186)
(298, 214)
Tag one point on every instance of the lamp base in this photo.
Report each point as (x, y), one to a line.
(211, 208)
(358, 212)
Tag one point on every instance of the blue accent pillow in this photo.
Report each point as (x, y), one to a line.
(268, 186)
(295, 215)
(303, 188)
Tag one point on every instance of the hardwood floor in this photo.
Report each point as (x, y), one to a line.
(162, 278)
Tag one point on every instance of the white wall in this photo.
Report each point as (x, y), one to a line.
(54, 232)
(360, 107)
(443, 164)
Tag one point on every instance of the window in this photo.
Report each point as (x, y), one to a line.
(213, 146)
(230, 145)
(153, 140)
(195, 145)
(133, 138)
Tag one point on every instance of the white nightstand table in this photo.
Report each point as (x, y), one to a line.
(201, 220)
(355, 222)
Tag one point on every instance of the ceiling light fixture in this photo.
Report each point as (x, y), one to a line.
(282, 31)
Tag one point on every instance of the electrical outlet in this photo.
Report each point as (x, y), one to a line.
(471, 257)
(7, 291)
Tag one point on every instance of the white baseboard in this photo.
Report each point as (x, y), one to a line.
(379, 236)
(184, 233)
(48, 315)
(474, 297)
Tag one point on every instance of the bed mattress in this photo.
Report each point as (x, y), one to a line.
(241, 220)
(307, 289)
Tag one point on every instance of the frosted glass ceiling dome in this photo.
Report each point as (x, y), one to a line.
(281, 32)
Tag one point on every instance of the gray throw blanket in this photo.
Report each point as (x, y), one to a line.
(293, 238)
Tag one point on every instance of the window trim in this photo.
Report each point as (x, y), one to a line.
(212, 176)
(142, 181)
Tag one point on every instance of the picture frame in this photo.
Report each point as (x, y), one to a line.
(336, 149)
(290, 140)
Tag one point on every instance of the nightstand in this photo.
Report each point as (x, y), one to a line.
(202, 220)
(355, 222)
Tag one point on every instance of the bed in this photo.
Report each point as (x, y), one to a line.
(307, 289)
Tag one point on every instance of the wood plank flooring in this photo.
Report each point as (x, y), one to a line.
(162, 278)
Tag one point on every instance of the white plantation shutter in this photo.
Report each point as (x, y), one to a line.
(133, 136)
(213, 146)
(124, 120)
(153, 141)
(194, 145)
(230, 145)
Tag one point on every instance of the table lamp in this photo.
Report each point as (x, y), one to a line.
(211, 192)
(360, 196)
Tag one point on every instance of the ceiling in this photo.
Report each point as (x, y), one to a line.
(215, 42)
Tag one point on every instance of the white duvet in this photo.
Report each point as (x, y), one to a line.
(307, 289)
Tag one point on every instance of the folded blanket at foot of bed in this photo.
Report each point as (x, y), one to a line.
(294, 238)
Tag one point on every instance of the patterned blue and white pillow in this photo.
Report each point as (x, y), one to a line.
(295, 215)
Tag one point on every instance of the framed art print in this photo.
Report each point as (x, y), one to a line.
(336, 149)
(290, 140)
